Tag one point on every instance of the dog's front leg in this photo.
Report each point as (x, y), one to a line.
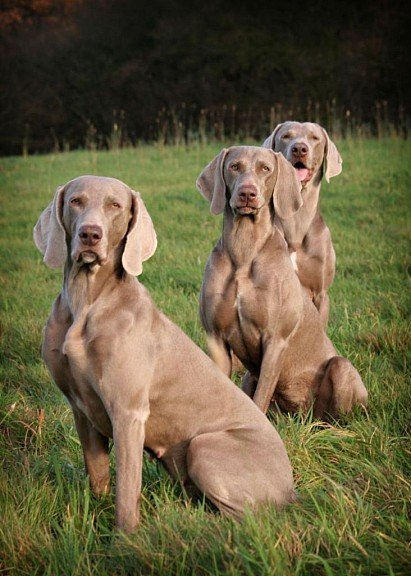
(269, 373)
(322, 303)
(220, 353)
(128, 435)
(95, 452)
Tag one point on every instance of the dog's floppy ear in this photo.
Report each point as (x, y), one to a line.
(211, 183)
(49, 234)
(141, 240)
(332, 158)
(287, 196)
(270, 141)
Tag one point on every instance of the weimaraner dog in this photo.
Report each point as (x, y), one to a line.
(130, 374)
(252, 302)
(314, 156)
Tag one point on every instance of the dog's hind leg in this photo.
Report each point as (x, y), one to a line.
(340, 390)
(233, 471)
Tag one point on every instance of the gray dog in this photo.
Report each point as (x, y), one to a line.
(252, 302)
(130, 374)
(314, 156)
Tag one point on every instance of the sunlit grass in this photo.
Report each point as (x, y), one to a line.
(352, 477)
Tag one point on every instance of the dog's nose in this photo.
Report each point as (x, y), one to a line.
(247, 194)
(299, 149)
(90, 235)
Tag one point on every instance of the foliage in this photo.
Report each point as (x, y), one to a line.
(153, 71)
(352, 476)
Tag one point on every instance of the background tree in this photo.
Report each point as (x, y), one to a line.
(80, 69)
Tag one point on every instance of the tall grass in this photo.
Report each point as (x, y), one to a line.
(352, 476)
(190, 125)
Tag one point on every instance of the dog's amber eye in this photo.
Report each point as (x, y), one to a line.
(314, 137)
(285, 136)
(116, 205)
(266, 168)
(234, 167)
(75, 201)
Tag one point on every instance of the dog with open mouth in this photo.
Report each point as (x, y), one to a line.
(314, 156)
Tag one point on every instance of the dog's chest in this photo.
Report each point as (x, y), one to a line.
(243, 312)
(294, 260)
(86, 395)
(248, 303)
(84, 346)
(74, 346)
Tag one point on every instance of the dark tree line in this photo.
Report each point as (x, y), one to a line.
(80, 73)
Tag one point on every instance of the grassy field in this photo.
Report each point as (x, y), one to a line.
(352, 477)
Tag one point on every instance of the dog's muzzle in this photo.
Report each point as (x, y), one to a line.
(88, 244)
(246, 201)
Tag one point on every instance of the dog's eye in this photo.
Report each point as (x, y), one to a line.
(234, 167)
(266, 168)
(116, 205)
(285, 136)
(314, 137)
(75, 201)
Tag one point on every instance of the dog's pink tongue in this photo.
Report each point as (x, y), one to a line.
(302, 174)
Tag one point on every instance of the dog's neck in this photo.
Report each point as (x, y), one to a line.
(295, 228)
(83, 284)
(311, 195)
(244, 236)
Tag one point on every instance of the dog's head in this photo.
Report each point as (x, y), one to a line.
(247, 178)
(309, 149)
(92, 219)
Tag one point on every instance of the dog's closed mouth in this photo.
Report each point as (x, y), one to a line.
(303, 173)
(245, 210)
(87, 257)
